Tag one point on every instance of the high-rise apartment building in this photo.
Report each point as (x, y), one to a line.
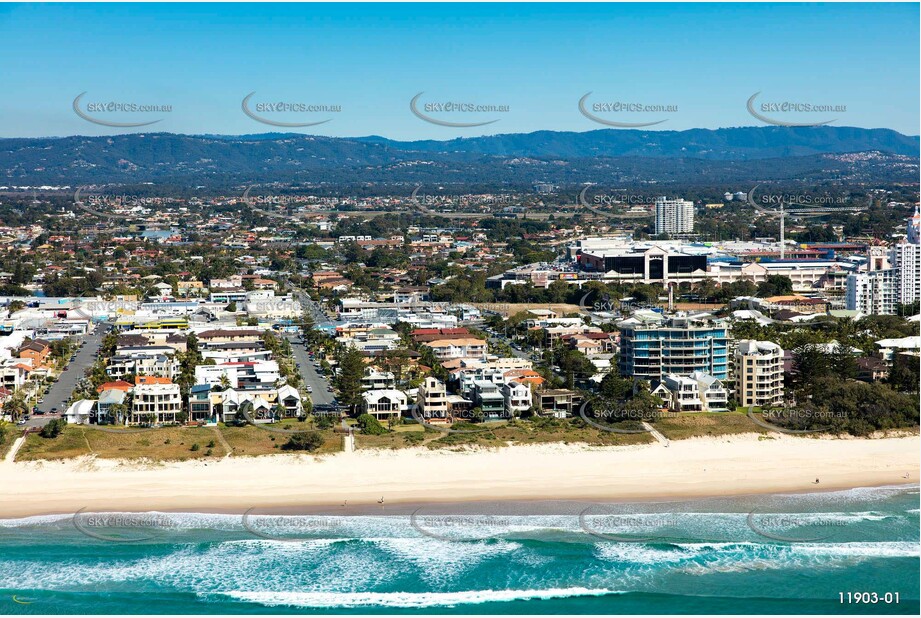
(674, 216)
(879, 292)
(758, 373)
(678, 345)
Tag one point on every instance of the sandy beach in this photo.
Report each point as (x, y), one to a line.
(699, 467)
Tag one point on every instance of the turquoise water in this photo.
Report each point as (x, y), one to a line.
(755, 555)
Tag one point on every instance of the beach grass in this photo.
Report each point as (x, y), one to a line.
(160, 444)
(701, 424)
(253, 441)
(164, 443)
(8, 434)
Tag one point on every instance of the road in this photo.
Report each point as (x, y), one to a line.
(321, 319)
(61, 390)
(311, 378)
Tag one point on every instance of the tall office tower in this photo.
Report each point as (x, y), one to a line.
(674, 216)
(679, 345)
(758, 373)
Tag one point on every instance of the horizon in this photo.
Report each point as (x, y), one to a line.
(533, 66)
(282, 135)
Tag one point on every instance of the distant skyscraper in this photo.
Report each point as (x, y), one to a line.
(674, 216)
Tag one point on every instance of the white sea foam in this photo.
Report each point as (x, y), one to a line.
(407, 599)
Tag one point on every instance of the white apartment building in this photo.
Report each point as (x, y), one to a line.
(239, 374)
(463, 347)
(674, 216)
(163, 401)
(377, 380)
(433, 399)
(758, 373)
(698, 392)
(517, 397)
(879, 291)
(872, 293)
(906, 260)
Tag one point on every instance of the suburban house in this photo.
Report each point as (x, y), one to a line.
(383, 403)
(433, 398)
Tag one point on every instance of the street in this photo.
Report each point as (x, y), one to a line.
(309, 374)
(62, 388)
(322, 320)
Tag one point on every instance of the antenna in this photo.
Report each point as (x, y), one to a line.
(782, 244)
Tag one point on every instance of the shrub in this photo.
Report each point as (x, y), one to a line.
(304, 441)
(195, 447)
(53, 429)
(324, 421)
(370, 425)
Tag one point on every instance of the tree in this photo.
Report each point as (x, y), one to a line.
(53, 428)
(16, 406)
(348, 380)
(119, 413)
(370, 425)
(775, 285)
(905, 374)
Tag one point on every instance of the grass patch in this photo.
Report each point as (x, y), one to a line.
(693, 425)
(402, 436)
(162, 444)
(539, 431)
(252, 441)
(8, 434)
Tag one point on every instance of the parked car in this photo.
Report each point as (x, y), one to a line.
(309, 389)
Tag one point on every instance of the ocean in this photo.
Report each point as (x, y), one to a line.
(854, 551)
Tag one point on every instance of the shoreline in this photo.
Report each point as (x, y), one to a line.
(728, 466)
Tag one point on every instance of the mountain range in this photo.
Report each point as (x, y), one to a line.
(606, 155)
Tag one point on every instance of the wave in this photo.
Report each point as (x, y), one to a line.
(408, 599)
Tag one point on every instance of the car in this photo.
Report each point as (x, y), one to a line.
(38, 412)
(329, 389)
(21, 422)
(54, 410)
(309, 389)
(41, 400)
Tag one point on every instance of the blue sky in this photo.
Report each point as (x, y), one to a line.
(536, 59)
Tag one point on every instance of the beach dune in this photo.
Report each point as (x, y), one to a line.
(736, 465)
